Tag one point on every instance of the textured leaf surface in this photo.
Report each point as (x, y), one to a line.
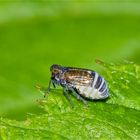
(35, 35)
(116, 118)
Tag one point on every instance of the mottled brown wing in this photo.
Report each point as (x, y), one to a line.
(78, 77)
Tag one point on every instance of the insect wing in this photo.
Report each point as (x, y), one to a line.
(79, 77)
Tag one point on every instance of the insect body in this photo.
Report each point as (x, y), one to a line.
(84, 83)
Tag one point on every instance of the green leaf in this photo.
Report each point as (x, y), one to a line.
(115, 118)
(47, 32)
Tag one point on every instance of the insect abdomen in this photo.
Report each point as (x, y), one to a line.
(97, 90)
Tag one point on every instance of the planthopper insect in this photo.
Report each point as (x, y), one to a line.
(84, 83)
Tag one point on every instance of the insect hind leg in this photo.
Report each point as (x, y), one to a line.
(77, 95)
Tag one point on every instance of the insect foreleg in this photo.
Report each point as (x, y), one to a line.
(67, 96)
(48, 89)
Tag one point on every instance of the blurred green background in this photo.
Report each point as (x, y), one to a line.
(35, 35)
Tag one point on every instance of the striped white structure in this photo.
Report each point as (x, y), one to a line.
(98, 89)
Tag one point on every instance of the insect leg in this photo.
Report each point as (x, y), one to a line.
(53, 85)
(67, 96)
(48, 89)
(77, 95)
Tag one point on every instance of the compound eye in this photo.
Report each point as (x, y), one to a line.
(55, 71)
